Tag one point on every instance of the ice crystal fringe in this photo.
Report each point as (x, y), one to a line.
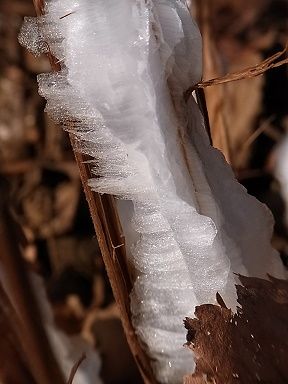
(188, 224)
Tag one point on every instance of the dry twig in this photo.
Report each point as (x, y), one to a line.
(247, 73)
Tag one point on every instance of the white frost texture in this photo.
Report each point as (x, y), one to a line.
(188, 224)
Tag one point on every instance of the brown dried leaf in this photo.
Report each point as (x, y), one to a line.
(248, 347)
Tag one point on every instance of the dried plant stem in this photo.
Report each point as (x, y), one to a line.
(110, 238)
(247, 73)
(109, 234)
(215, 96)
(36, 347)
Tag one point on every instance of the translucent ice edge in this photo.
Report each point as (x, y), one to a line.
(188, 224)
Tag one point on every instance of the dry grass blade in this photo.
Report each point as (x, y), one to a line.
(247, 73)
(109, 234)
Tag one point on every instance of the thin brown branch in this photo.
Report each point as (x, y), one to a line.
(247, 73)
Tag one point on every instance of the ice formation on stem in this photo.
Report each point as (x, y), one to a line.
(188, 224)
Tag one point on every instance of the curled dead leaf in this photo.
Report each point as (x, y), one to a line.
(250, 346)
